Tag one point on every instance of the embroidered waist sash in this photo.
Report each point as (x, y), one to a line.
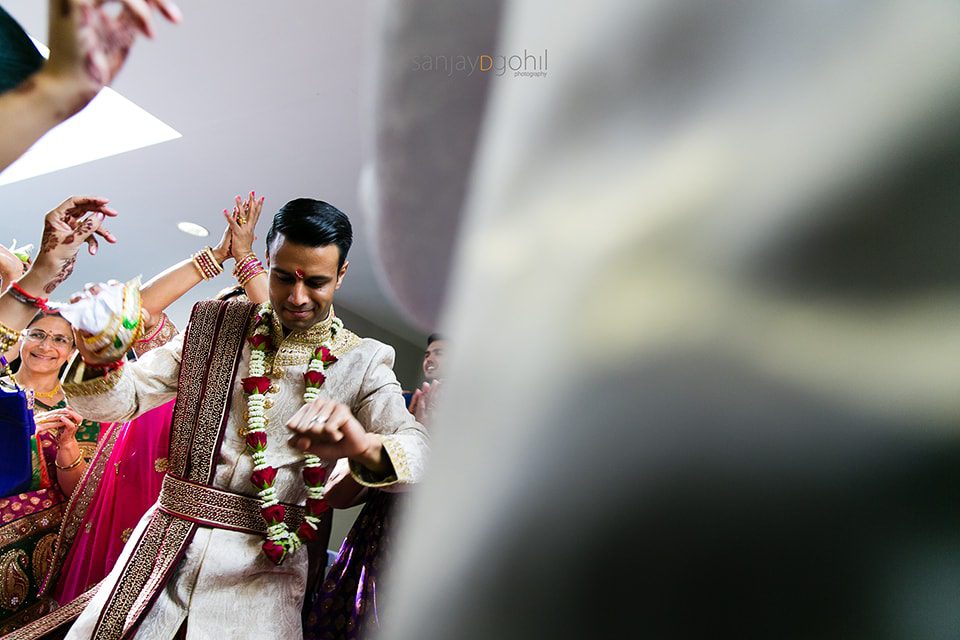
(211, 507)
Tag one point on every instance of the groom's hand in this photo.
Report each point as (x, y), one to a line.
(329, 430)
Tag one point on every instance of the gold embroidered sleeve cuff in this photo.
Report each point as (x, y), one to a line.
(92, 386)
(401, 472)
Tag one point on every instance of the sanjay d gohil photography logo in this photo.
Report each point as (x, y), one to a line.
(525, 65)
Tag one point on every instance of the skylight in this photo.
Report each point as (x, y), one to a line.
(109, 125)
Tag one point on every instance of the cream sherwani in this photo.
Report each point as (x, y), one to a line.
(224, 584)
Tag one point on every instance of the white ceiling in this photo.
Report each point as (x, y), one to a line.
(267, 97)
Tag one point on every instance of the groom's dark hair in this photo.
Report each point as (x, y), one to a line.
(313, 223)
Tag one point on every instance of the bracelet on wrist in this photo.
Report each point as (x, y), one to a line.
(20, 295)
(156, 331)
(206, 263)
(248, 268)
(72, 465)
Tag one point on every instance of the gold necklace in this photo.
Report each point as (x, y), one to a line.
(48, 395)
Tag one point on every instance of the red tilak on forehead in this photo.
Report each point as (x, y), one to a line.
(299, 273)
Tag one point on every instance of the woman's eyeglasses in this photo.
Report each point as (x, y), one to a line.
(39, 335)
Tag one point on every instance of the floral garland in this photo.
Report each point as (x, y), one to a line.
(280, 541)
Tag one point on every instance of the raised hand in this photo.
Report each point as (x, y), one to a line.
(243, 223)
(223, 250)
(89, 40)
(75, 222)
(424, 402)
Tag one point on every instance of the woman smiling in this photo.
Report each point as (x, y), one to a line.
(63, 444)
(47, 344)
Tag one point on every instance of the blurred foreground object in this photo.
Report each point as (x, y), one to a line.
(707, 287)
(89, 42)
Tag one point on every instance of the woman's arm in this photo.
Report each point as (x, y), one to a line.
(88, 45)
(166, 287)
(69, 462)
(75, 222)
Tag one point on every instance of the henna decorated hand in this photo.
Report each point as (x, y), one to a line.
(77, 220)
(89, 44)
(242, 224)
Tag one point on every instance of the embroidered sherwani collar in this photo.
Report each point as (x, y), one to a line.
(296, 347)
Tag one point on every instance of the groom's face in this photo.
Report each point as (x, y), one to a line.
(303, 281)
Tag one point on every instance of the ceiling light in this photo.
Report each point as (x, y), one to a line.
(193, 229)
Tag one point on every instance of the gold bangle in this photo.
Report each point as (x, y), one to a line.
(74, 465)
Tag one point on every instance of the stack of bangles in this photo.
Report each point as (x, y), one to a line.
(248, 268)
(206, 264)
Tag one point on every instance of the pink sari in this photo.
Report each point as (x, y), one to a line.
(129, 485)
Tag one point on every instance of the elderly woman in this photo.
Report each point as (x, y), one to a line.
(63, 444)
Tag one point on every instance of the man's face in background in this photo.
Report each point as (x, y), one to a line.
(433, 360)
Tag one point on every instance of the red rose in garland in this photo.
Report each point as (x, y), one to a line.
(273, 514)
(317, 507)
(314, 476)
(257, 441)
(263, 478)
(260, 384)
(260, 342)
(273, 551)
(314, 378)
(307, 532)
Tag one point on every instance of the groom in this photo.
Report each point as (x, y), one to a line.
(197, 558)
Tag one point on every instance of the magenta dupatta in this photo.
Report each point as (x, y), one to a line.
(130, 485)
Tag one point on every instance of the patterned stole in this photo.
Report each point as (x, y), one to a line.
(211, 354)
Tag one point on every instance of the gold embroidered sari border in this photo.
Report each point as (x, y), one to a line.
(55, 619)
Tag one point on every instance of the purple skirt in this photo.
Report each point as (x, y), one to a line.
(346, 607)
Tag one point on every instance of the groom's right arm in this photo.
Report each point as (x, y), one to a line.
(127, 392)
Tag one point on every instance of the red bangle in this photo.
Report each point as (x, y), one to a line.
(25, 298)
